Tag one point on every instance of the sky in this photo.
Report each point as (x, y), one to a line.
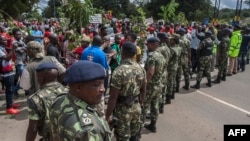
(224, 3)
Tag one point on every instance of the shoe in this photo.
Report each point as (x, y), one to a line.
(16, 105)
(209, 84)
(234, 72)
(12, 111)
(196, 86)
(151, 126)
(186, 86)
(217, 80)
(229, 74)
(168, 101)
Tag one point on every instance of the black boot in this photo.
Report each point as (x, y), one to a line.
(177, 87)
(173, 95)
(135, 138)
(186, 87)
(197, 85)
(223, 78)
(209, 84)
(217, 80)
(161, 108)
(168, 99)
(151, 126)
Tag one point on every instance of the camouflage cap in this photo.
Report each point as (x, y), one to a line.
(35, 48)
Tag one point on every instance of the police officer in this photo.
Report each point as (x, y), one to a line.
(222, 55)
(40, 102)
(173, 66)
(73, 115)
(165, 51)
(154, 70)
(128, 86)
(185, 60)
(205, 52)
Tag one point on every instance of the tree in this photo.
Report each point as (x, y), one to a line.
(15, 8)
(247, 2)
(168, 11)
(51, 9)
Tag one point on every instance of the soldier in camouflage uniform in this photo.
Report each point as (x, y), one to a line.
(222, 56)
(154, 70)
(40, 102)
(165, 51)
(173, 66)
(205, 52)
(128, 87)
(184, 61)
(74, 116)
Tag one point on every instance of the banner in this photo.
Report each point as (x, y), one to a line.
(97, 18)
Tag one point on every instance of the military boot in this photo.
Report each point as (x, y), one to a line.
(186, 86)
(161, 108)
(209, 84)
(177, 87)
(168, 99)
(135, 138)
(197, 85)
(223, 78)
(151, 126)
(173, 95)
(217, 80)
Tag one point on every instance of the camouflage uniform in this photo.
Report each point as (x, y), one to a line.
(172, 70)
(205, 52)
(73, 119)
(153, 90)
(165, 51)
(222, 56)
(129, 77)
(183, 62)
(39, 104)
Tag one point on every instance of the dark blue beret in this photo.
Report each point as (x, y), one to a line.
(162, 35)
(208, 33)
(129, 47)
(182, 30)
(153, 40)
(46, 66)
(84, 71)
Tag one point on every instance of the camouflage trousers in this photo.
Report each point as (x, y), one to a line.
(129, 121)
(164, 87)
(185, 69)
(205, 67)
(222, 66)
(152, 99)
(171, 84)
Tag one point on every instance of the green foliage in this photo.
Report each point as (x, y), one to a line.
(15, 8)
(168, 11)
(180, 18)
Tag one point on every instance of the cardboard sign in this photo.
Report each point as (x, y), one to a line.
(97, 18)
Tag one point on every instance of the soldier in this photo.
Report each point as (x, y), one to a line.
(173, 66)
(222, 55)
(165, 51)
(39, 103)
(74, 115)
(205, 52)
(185, 60)
(128, 87)
(154, 69)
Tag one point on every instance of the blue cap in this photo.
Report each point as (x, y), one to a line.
(182, 30)
(162, 35)
(46, 66)
(84, 71)
(153, 40)
(129, 47)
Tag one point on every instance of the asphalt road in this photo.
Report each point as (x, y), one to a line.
(195, 115)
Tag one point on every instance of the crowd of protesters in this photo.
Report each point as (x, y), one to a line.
(135, 87)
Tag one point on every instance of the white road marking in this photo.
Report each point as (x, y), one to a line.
(224, 102)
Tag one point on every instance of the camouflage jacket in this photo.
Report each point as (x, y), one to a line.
(39, 105)
(185, 45)
(129, 77)
(74, 120)
(165, 51)
(175, 57)
(223, 48)
(156, 60)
